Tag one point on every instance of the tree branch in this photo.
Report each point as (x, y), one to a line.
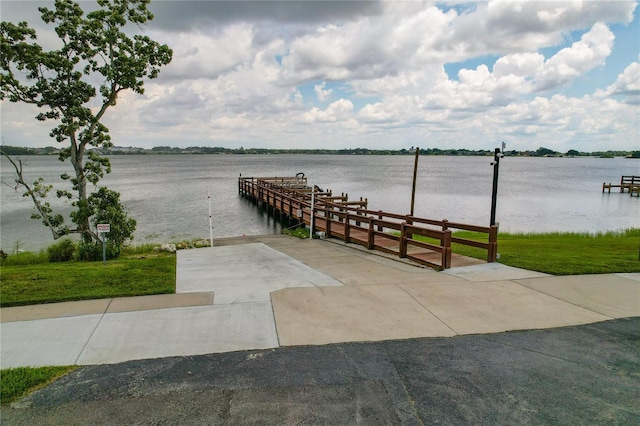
(42, 209)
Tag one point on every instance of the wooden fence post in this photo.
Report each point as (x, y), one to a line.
(409, 221)
(445, 227)
(492, 253)
(371, 235)
(403, 240)
(446, 250)
(347, 227)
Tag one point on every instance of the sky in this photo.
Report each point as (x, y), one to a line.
(378, 75)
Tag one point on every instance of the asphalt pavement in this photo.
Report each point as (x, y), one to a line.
(564, 376)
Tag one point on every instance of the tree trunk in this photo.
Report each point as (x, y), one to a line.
(82, 221)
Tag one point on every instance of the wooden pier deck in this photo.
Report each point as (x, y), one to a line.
(627, 183)
(290, 199)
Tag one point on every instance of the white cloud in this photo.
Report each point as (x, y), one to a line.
(571, 62)
(627, 85)
(339, 110)
(202, 55)
(520, 64)
(321, 93)
(240, 70)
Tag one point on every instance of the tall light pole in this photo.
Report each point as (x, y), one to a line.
(497, 155)
(415, 175)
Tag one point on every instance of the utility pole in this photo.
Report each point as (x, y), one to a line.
(415, 175)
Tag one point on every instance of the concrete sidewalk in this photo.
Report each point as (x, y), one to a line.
(269, 291)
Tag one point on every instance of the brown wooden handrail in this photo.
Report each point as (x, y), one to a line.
(353, 222)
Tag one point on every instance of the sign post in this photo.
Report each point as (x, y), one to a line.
(103, 228)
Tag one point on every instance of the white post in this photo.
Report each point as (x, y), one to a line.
(104, 247)
(313, 199)
(210, 220)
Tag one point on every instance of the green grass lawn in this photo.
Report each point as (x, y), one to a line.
(564, 253)
(29, 279)
(16, 382)
(139, 274)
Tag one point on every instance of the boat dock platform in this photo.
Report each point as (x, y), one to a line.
(291, 199)
(627, 183)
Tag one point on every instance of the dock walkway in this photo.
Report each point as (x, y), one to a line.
(423, 240)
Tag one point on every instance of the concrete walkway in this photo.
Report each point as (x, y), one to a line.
(269, 291)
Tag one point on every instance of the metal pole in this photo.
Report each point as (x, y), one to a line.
(415, 174)
(210, 220)
(494, 192)
(104, 248)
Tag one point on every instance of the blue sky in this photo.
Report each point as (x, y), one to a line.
(564, 75)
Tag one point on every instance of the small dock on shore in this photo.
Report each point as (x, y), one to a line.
(627, 183)
(335, 216)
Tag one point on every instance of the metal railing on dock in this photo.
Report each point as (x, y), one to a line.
(351, 221)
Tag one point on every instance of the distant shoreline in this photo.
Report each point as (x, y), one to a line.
(166, 150)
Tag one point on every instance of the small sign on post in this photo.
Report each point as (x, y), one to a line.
(103, 228)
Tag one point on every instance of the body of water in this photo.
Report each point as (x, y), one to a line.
(167, 195)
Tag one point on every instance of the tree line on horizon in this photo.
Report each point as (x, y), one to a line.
(168, 150)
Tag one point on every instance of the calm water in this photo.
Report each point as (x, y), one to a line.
(167, 195)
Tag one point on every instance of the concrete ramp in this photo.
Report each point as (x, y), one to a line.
(613, 295)
(243, 273)
(222, 304)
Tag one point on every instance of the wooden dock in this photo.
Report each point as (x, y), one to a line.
(291, 199)
(627, 183)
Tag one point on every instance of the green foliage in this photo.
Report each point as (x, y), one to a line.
(545, 152)
(116, 150)
(300, 232)
(16, 382)
(103, 206)
(153, 273)
(25, 258)
(74, 86)
(62, 251)
(138, 249)
(90, 251)
(19, 150)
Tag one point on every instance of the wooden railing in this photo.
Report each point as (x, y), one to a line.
(352, 222)
(629, 183)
